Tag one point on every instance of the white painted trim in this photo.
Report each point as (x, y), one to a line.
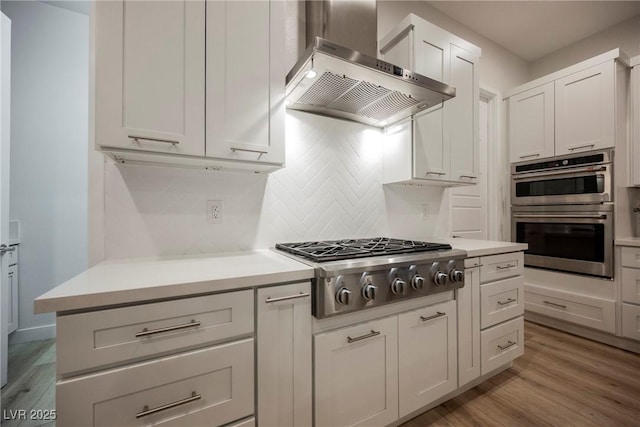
(497, 173)
(38, 333)
(634, 61)
(615, 54)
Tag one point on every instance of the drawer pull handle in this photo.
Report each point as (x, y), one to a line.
(435, 316)
(146, 411)
(499, 267)
(4, 249)
(554, 304)
(276, 299)
(146, 332)
(165, 141)
(508, 301)
(363, 337)
(509, 344)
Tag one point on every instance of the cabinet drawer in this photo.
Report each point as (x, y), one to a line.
(501, 300)
(630, 257)
(501, 266)
(501, 344)
(212, 386)
(631, 285)
(109, 337)
(12, 256)
(631, 321)
(592, 312)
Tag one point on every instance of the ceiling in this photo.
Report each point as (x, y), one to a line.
(533, 29)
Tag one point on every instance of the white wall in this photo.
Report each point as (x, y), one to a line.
(625, 35)
(49, 132)
(499, 69)
(331, 188)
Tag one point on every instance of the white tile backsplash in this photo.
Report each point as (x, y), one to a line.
(331, 188)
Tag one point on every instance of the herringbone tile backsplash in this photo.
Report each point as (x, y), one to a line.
(331, 188)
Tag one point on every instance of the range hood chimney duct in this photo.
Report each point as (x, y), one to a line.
(351, 82)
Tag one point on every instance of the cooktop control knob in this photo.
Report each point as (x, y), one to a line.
(343, 296)
(369, 292)
(397, 286)
(456, 276)
(417, 282)
(440, 278)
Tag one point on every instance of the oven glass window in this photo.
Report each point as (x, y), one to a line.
(583, 242)
(590, 184)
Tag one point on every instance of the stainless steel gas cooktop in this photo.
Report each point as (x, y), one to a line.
(357, 274)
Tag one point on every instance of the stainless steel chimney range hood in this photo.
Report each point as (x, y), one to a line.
(337, 81)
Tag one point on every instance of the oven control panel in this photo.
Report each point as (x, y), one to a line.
(345, 293)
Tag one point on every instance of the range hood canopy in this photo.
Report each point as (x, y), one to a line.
(337, 81)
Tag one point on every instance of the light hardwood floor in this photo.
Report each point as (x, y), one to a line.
(31, 382)
(562, 380)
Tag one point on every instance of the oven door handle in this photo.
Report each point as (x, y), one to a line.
(561, 172)
(578, 216)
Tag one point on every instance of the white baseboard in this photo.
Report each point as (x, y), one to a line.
(38, 333)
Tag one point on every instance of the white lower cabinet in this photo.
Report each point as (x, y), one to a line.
(468, 299)
(356, 375)
(284, 364)
(212, 386)
(501, 344)
(427, 355)
(631, 321)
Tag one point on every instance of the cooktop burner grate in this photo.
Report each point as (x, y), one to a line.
(333, 250)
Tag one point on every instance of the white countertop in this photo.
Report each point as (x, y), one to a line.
(142, 279)
(628, 241)
(477, 248)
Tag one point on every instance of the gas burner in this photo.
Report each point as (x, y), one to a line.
(334, 250)
(356, 274)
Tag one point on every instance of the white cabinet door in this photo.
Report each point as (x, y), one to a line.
(531, 124)
(585, 110)
(430, 152)
(634, 151)
(12, 313)
(427, 355)
(462, 116)
(284, 355)
(149, 81)
(356, 375)
(245, 80)
(468, 300)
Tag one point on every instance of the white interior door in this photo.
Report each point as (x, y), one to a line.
(469, 203)
(5, 79)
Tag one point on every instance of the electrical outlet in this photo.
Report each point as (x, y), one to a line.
(214, 211)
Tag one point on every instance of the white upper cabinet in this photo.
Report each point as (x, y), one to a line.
(442, 141)
(245, 80)
(634, 151)
(570, 111)
(149, 75)
(531, 127)
(585, 110)
(200, 81)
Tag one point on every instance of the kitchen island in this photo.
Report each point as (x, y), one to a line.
(200, 335)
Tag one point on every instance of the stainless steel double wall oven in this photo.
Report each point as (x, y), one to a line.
(563, 209)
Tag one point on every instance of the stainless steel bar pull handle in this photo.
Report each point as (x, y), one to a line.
(530, 155)
(509, 344)
(435, 316)
(234, 149)
(576, 216)
(146, 332)
(508, 301)
(554, 304)
(146, 411)
(4, 249)
(468, 176)
(582, 146)
(500, 267)
(435, 173)
(165, 141)
(276, 299)
(363, 337)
